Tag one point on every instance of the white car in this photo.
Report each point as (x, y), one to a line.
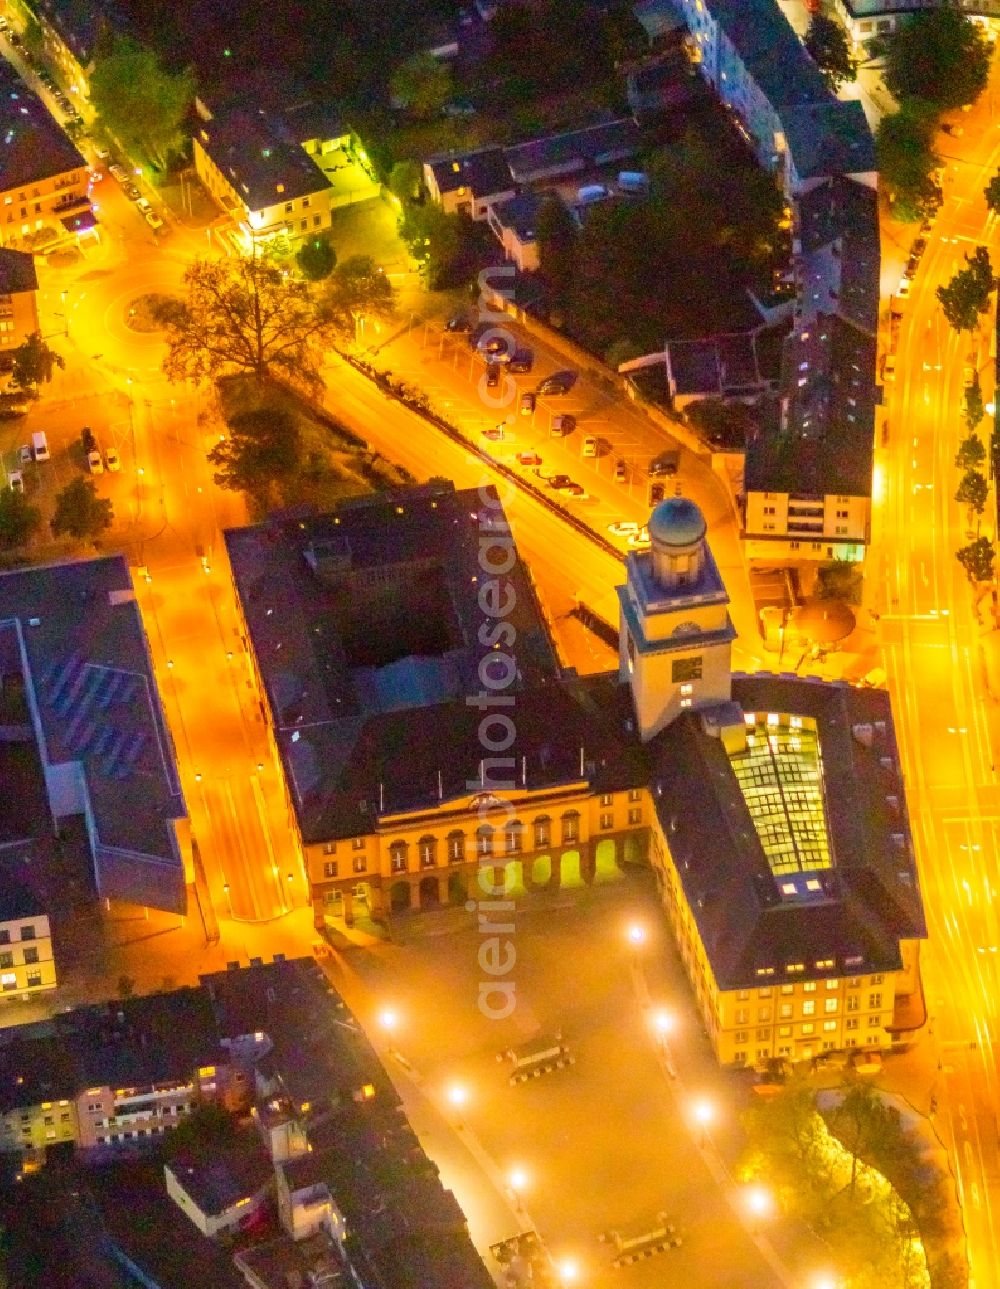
(904, 287)
(16, 481)
(623, 528)
(26, 454)
(94, 462)
(639, 540)
(112, 460)
(153, 220)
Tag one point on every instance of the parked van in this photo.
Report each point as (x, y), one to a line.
(40, 446)
(633, 181)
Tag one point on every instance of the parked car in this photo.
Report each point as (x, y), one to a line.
(153, 220)
(590, 446)
(493, 342)
(15, 481)
(26, 454)
(522, 360)
(458, 322)
(131, 191)
(956, 131)
(11, 410)
(495, 433)
(623, 528)
(558, 480)
(101, 153)
(904, 287)
(40, 446)
(621, 471)
(529, 458)
(572, 489)
(553, 385)
(640, 539)
(95, 463)
(527, 404)
(562, 425)
(888, 369)
(969, 373)
(112, 460)
(665, 464)
(492, 375)
(143, 204)
(119, 172)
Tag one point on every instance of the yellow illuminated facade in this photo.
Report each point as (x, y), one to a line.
(27, 966)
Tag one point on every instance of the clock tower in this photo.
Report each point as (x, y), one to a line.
(675, 632)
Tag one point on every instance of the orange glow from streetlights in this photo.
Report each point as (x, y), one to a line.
(569, 1271)
(664, 1022)
(759, 1201)
(388, 1019)
(636, 934)
(517, 1179)
(458, 1095)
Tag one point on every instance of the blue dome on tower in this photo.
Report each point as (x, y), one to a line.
(676, 523)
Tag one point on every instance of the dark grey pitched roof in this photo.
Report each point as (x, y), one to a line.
(837, 228)
(32, 145)
(771, 51)
(520, 213)
(821, 439)
(261, 157)
(484, 173)
(16, 899)
(870, 898)
(574, 150)
(831, 138)
(82, 23)
(231, 1172)
(17, 272)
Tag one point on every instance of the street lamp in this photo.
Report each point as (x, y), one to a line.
(636, 935)
(663, 1023)
(458, 1098)
(517, 1180)
(569, 1271)
(388, 1019)
(703, 1113)
(824, 1281)
(759, 1202)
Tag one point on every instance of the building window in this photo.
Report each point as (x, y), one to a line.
(606, 799)
(809, 987)
(329, 848)
(397, 856)
(543, 830)
(8, 981)
(785, 1031)
(683, 669)
(788, 989)
(607, 821)
(6, 959)
(428, 852)
(360, 865)
(512, 837)
(288, 207)
(808, 1027)
(785, 1011)
(763, 1035)
(851, 1022)
(634, 794)
(571, 826)
(809, 1007)
(763, 1013)
(4, 936)
(305, 202)
(456, 847)
(852, 1002)
(358, 843)
(874, 1021)
(484, 840)
(635, 815)
(28, 932)
(330, 868)
(742, 1015)
(829, 1026)
(830, 1005)
(741, 1036)
(874, 1002)
(764, 992)
(877, 980)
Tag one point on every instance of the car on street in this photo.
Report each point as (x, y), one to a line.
(621, 471)
(572, 489)
(590, 446)
(492, 375)
(917, 249)
(558, 480)
(131, 191)
(969, 373)
(112, 460)
(494, 343)
(95, 463)
(889, 368)
(143, 204)
(665, 464)
(15, 481)
(11, 410)
(527, 405)
(25, 454)
(522, 360)
(553, 385)
(623, 528)
(956, 131)
(101, 152)
(640, 539)
(119, 172)
(153, 220)
(495, 433)
(904, 287)
(529, 458)
(562, 425)
(458, 322)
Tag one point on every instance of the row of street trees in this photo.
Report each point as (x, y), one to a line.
(937, 60)
(140, 104)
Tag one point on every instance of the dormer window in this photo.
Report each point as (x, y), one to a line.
(280, 187)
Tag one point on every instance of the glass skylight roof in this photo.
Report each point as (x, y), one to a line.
(781, 777)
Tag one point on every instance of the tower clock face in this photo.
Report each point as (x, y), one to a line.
(686, 629)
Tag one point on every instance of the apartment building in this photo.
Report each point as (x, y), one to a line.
(27, 963)
(18, 298)
(44, 180)
(867, 19)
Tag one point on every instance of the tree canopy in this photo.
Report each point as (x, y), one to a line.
(967, 295)
(422, 85)
(244, 315)
(261, 448)
(449, 245)
(906, 160)
(940, 56)
(557, 234)
(138, 102)
(992, 193)
(828, 45)
(19, 519)
(977, 559)
(404, 180)
(34, 364)
(80, 513)
(972, 491)
(971, 454)
(358, 288)
(316, 258)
